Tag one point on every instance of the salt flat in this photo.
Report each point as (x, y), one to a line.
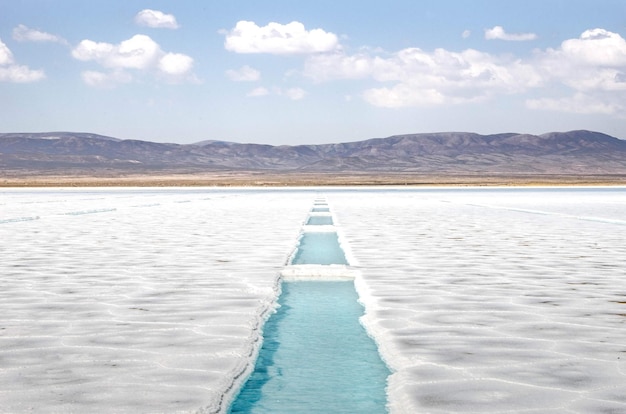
(150, 300)
(134, 300)
(494, 300)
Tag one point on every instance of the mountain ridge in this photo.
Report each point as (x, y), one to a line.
(571, 152)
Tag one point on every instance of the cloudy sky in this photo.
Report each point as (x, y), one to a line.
(291, 72)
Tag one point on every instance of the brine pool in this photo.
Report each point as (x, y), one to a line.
(316, 356)
(319, 248)
(320, 221)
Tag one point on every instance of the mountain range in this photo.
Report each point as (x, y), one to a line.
(573, 152)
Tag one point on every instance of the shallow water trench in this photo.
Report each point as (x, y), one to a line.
(316, 356)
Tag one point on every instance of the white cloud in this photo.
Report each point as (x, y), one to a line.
(593, 63)
(20, 74)
(156, 19)
(597, 47)
(12, 72)
(333, 66)
(175, 64)
(403, 95)
(592, 68)
(6, 57)
(260, 91)
(139, 53)
(583, 75)
(276, 38)
(427, 78)
(105, 80)
(244, 74)
(466, 34)
(295, 94)
(498, 33)
(22, 33)
(579, 103)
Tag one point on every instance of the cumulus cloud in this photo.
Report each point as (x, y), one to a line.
(596, 47)
(244, 74)
(175, 64)
(137, 53)
(295, 94)
(594, 61)
(579, 103)
(422, 78)
(105, 79)
(20, 74)
(10, 71)
(403, 95)
(334, 66)
(466, 34)
(156, 19)
(498, 33)
(583, 75)
(593, 69)
(276, 38)
(260, 91)
(6, 57)
(22, 33)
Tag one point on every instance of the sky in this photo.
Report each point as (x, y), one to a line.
(311, 72)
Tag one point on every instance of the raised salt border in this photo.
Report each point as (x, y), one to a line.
(497, 300)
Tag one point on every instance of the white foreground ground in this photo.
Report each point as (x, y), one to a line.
(133, 301)
(495, 301)
(150, 301)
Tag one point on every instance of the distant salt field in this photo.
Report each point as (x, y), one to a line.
(152, 300)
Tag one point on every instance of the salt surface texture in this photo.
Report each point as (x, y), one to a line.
(494, 300)
(150, 301)
(133, 301)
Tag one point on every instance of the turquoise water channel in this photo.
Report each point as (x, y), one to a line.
(319, 248)
(320, 221)
(316, 357)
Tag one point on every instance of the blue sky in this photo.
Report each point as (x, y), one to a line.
(306, 72)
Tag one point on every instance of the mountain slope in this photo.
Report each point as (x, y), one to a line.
(573, 152)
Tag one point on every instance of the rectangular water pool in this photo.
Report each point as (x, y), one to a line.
(319, 248)
(316, 357)
(320, 221)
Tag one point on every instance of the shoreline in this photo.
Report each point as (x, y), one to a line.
(291, 179)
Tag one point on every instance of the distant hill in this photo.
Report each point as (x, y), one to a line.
(574, 152)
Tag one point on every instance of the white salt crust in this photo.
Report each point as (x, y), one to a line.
(494, 300)
(138, 300)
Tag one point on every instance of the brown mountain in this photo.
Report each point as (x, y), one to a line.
(574, 152)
